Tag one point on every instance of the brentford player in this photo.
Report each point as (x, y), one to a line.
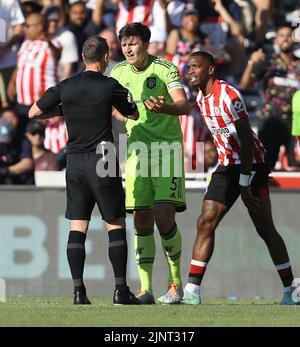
(241, 171)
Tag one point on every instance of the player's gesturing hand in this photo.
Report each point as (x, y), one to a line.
(155, 105)
(251, 202)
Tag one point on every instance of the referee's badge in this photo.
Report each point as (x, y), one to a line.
(151, 82)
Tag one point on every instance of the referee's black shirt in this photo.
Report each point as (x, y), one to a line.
(87, 99)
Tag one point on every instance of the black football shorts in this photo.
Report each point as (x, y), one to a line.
(85, 189)
(224, 185)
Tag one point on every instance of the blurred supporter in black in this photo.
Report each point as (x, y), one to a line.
(83, 23)
(66, 39)
(44, 160)
(281, 78)
(16, 164)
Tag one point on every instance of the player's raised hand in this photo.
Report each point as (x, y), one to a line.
(250, 201)
(155, 105)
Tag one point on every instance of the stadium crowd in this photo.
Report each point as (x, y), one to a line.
(256, 44)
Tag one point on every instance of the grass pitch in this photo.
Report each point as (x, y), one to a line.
(60, 312)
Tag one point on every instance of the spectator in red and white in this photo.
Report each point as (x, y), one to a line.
(152, 13)
(44, 160)
(67, 41)
(36, 69)
(11, 33)
(56, 136)
(134, 11)
(193, 131)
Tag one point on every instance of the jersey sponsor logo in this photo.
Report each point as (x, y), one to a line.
(174, 75)
(222, 131)
(151, 82)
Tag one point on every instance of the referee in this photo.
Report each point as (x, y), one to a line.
(86, 100)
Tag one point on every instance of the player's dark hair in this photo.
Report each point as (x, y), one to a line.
(135, 29)
(204, 55)
(94, 48)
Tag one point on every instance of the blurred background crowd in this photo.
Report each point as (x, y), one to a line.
(256, 45)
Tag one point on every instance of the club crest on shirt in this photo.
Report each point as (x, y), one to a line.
(151, 82)
(217, 110)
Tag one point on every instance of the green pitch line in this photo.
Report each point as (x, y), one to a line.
(60, 312)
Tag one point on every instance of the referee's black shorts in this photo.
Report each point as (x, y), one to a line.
(224, 185)
(85, 189)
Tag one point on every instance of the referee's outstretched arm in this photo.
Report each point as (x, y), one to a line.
(36, 113)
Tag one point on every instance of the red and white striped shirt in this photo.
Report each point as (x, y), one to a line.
(36, 71)
(220, 109)
(56, 136)
(193, 132)
(130, 11)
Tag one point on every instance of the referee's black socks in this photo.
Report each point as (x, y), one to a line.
(117, 252)
(76, 258)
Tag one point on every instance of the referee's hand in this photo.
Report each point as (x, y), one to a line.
(250, 201)
(155, 105)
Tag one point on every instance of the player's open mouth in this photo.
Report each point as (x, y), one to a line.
(193, 79)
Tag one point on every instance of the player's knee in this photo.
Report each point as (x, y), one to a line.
(206, 223)
(164, 223)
